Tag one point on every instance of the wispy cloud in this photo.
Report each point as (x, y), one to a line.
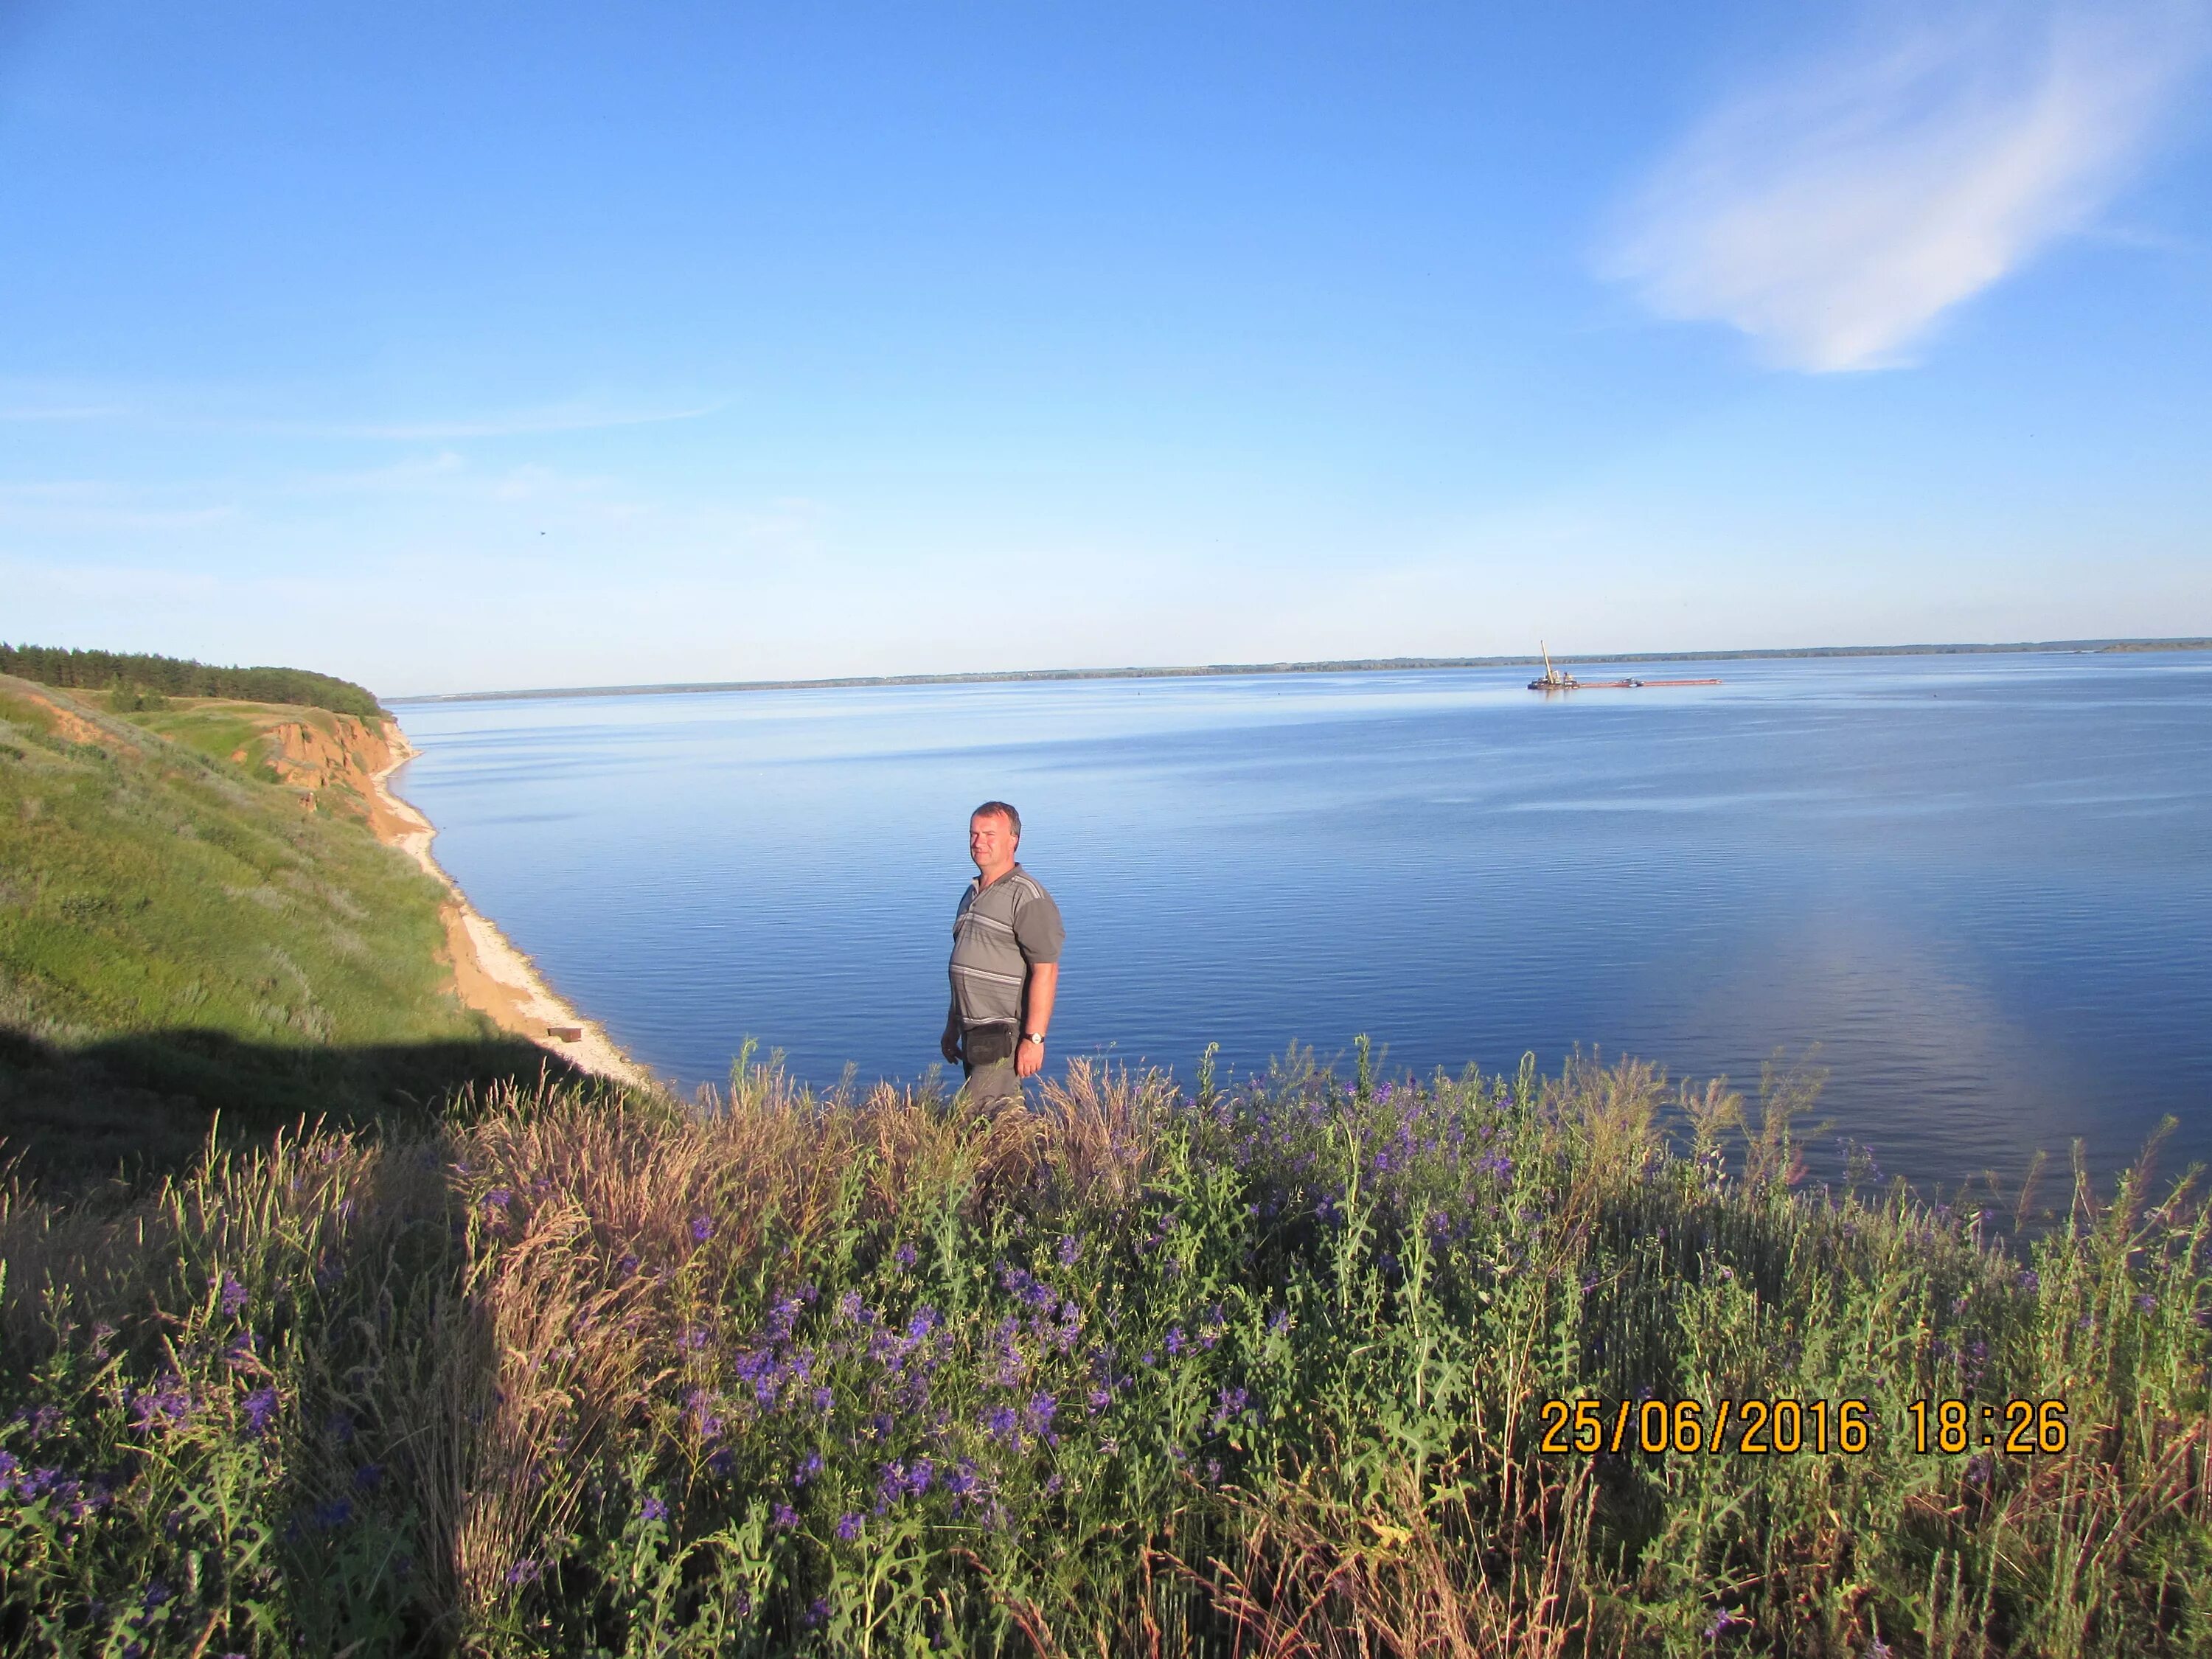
(27, 413)
(76, 506)
(1835, 212)
(216, 407)
(522, 422)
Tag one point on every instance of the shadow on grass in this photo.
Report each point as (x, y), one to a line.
(141, 1105)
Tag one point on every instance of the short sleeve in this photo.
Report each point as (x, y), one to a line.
(1038, 929)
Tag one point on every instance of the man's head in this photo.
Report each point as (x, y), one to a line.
(995, 831)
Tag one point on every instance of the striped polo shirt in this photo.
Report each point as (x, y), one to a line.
(999, 931)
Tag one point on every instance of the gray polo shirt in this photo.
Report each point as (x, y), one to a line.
(1000, 930)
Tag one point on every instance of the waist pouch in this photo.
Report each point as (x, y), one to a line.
(987, 1045)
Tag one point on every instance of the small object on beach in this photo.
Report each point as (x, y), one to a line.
(565, 1033)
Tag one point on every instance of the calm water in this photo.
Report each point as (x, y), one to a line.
(1982, 886)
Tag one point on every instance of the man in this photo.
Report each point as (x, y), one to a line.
(1006, 963)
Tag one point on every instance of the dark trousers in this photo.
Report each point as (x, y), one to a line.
(986, 1060)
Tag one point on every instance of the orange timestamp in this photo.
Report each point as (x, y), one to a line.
(1759, 1428)
(1782, 1427)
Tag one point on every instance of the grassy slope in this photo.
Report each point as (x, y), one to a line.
(178, 937)
(220, 730)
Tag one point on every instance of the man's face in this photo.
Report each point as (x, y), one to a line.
(990, 840)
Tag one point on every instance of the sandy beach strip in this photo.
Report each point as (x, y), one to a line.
(492, 977)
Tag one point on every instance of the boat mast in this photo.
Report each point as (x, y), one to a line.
(1549, 674)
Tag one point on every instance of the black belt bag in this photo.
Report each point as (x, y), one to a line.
(988, 1045)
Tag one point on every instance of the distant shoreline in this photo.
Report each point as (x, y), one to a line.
(1350, 665)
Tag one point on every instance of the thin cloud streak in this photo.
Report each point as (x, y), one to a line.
(217, 409)
(27, 414)
(557, 417)
(1837, 214)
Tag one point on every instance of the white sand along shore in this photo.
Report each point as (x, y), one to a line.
(492, 977)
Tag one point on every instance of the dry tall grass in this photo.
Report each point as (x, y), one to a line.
(546, 1380)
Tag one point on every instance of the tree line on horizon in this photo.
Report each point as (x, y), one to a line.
(178, 677)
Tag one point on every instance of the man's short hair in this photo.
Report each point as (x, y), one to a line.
(1013, 819)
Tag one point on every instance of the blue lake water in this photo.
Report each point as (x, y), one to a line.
(1982, 886)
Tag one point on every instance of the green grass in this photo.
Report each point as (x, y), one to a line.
(179, 939)
(1251, 1371)
(218, 731)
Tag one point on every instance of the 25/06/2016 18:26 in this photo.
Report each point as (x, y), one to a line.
(1783, 1427)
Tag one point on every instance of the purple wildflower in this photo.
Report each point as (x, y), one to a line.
(822, 1400)
(1070, 1250)
(904, 1256)
(260, 1411)
(231, 1296)
(785, 1517)
(333, 1515)
(1500, 1166)
(626, 1266)
(1232, 1401)
(817, 1610)
(498, 1199)
(2146, 1303)
(1003, 1425)
(1042, 1409)
(848, 1305)
(809, 1467)
(653, 1508)
(369, 1476)
(848, 1525)
(2029, 1280)
(524, 1572)
(1175, 1340)
(166, 1403)
(702, 1229)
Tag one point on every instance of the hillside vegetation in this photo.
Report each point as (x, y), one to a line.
(195, 919)
(134, 679)
(1260, 1371)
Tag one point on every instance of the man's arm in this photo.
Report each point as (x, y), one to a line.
(1044, 986)
(948, 1044)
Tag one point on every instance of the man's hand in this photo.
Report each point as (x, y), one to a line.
(948, 1044)
(1037, 1013)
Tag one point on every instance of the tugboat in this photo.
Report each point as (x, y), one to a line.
(1554, 679)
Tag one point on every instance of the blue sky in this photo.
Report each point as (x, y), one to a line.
(468, 346)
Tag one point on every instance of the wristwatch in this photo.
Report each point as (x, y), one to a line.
(1036, 1037)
